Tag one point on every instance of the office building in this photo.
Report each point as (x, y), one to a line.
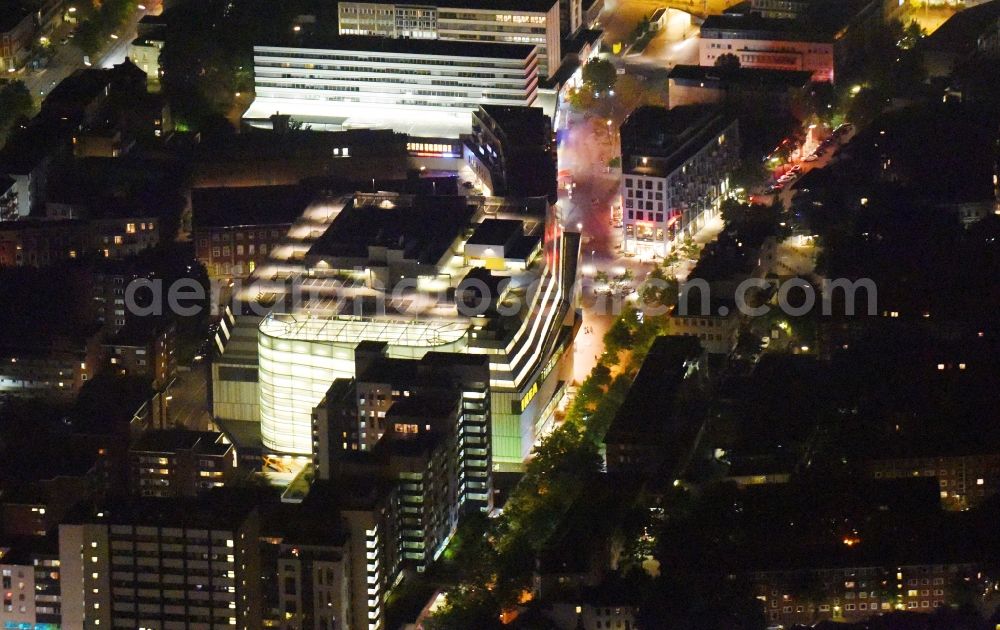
(512, 151)
(422, 87)
(787, 9)
(438, 247)
(539, 22)
(676, 166)
(767, 43)
(157, 563)
(178, 462)
(824, 37)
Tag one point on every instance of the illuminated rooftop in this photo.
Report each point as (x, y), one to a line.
(349, 329)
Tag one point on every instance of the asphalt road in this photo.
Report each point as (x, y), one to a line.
(68, 58)
(187, 405)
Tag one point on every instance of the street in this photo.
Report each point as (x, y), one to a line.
(187, 399)
(68, 58)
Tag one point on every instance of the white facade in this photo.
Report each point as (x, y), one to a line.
(300, 355)
(420, 87)
(662, 207)
(299, 358)
(492, 21)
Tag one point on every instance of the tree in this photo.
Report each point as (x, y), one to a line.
(630, 91)
(581, 99)
(911, 35)
(15, 103)
(600, 75)
(866, 105)
(618, 336)
(727, 62)
(734, 213)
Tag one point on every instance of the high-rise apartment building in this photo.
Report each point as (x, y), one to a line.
(410, 397)
(162, 563)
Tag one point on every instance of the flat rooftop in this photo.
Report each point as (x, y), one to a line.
(496, 232)
(423, 231)
(522, 125)
(173, 440)
(328, 116)
(252, 205)
(415, 333)
(670, 136)
(322, 42)
(500, 5)
(741, 76)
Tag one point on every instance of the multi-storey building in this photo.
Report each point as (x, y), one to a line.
(29, 585)
(819, 36)
(178, 462)
(966, 480)
(647, 433)
(355, 415)
(144, 51)
(314, 585)
(36, 243)
(16, 30)
(144, 347)
(39, 243)
(160, 563)
(512, 151)
(788, 9)
(57, 370)
(235, 229)
(422, 87)
(767, 43)
(853, 593)
(8, 199)
(437, 247)
(676, 166)
(538, 22)
(716, 323)
(704, 85)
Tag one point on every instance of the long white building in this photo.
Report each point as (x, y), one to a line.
(539, 22)
(423, 87)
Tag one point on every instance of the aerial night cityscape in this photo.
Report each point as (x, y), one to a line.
(499, 314)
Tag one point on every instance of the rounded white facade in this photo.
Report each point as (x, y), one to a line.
(300, 359)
